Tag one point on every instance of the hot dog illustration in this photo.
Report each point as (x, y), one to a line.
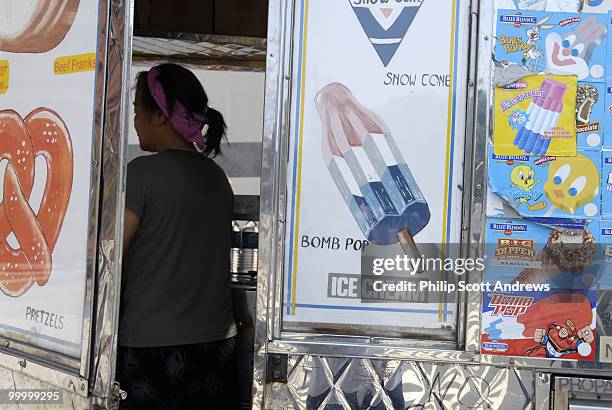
(35, 26)
(41, 133)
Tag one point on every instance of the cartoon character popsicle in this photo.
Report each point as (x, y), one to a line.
(572, 182)
(369, 170)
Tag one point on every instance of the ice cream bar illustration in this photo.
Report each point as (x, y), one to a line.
(35, 26)
(542, 143)
(572, 182)
(542, 114)
(369, 170)
(571, 54)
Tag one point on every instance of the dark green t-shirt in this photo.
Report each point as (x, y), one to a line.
(176, 282)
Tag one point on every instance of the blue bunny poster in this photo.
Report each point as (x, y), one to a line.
(553, 43)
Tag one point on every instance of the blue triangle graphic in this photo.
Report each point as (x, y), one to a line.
(375, 31)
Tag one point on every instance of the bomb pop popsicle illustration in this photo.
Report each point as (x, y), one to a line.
(369, 170)
(542, 114)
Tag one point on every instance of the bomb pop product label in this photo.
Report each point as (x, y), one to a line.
(558, 325)
(540, 42)
(561, 187)
(536, 116)
(551, 314)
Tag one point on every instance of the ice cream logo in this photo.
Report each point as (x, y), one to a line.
(510, 306)
(508, 226)
(385, 23)
(571, 54)
(517, 20)
(515, 248)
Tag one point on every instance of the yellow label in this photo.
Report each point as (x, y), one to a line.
(75, 64)
(4, 76)
(536, 116)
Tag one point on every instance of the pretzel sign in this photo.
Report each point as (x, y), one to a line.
(43, 133)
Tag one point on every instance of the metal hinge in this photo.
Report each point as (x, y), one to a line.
(276, 369)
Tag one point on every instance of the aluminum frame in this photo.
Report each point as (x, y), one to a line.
(280, 205)
(267, 287)
(110, 240)
(269, 337)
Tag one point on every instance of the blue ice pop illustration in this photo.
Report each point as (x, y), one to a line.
(369, 170)
(543, 143)
(544, 113)
(532, 113)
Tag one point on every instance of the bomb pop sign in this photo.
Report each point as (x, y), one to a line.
(536, 116)
(371, 162)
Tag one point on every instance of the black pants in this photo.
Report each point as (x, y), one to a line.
(198, 376)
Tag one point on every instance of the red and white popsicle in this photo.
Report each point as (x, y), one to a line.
(369, 170)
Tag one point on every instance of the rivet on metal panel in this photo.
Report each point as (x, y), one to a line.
(544, 378)
(479, 186)
(465, 227)
(511, 362)
(287, 77)
(486, 38)
(281, 220)
(471, 83)
(23, 363)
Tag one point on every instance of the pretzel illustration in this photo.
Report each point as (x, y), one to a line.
(35, 26)
(43, 133)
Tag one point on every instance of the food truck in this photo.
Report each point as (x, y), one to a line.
(431, 218)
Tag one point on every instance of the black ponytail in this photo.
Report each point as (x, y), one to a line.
(215, 133)
(181, 84)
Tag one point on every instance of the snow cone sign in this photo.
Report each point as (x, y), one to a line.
(386, 23)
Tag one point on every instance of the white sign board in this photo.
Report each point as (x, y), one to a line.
(376, 148)
(46, 133)
(605, 349)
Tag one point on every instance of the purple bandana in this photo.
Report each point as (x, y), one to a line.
(188, 124)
